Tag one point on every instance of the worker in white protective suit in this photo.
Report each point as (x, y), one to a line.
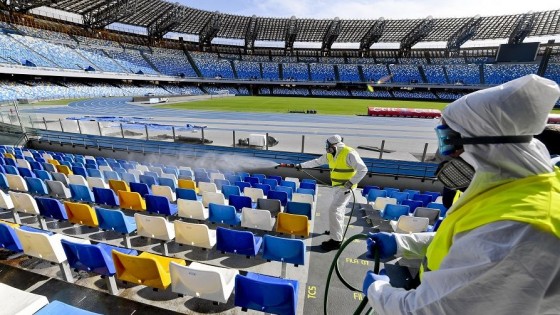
(347, 170)
(498, 249)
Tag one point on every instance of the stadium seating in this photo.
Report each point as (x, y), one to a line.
(203, 281)
(266, 294)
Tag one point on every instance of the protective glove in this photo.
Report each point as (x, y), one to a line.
(385, 242)
(348, 185)
(298, 167)
(371, 277)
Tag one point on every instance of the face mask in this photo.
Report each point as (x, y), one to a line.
(455, 174)
(450, 140)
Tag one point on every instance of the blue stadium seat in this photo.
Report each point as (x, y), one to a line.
(81, 193)
(306, 191)
(36, 186)
(35, 165)
(160, 205)
(399, 195)
(393, 212)
(251, 180)
(425, 199)
(233, 178)
(366, 190)
(129, 178)
(93, 172)
(301, 208)
(276, 177)
(148, 180)
(261, 177)
(25, 172)
(288, 190)
(56, 307)
(9, 239)
(242, 185)
(308, 185)
(44, 175)
(413, 204)
(291, 251)
(223, 214)
(265, 188)
(237, 242)
(272, 182)
(186, 193)
(10, 169)
(287, 183)
(436, 205)
(115, 220)
(3, 181)
(163, 181)
(80, 171)
(105, 196)
(280, 195)
(228, 190)
(240, 202)
(51, 208)
(374, 193)
(221, 182)
(111, 175)
(266, 294)
(141, 188)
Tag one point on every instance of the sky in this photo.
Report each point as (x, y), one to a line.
(371, 9)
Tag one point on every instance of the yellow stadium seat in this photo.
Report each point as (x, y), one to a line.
(147, 269)
(292, 224)
(117, 185)
(10, 224)
(64, 170)
(131, 200)
(188, 183)
(9, 156)
(53, 162)
(81, 213)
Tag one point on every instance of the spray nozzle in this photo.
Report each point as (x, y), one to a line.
(289, 165)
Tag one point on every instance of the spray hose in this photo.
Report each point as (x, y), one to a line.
(334, 265)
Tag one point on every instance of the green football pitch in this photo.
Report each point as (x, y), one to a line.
(324, 106)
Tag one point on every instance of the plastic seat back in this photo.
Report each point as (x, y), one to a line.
(381, 202)
(44, 175)
(58, 189)
(192, 209)
(413, 204)
(228, 190)
(36, 186)
(24, 203)
(408, 224)
(147, 269)
(148, 180)
(374, 193)
(425, 199)
(266, 294)
(17, 183)
(105, 196)
(393, 212)
(205, 186)
(96, 182)
(272, 205)
(131, 200)
(193, 234)
(203, 281)
(61, 178)
(160, 204)
(282, 249)
(253, 193)
(129, 178)
(141, 188)
(430, 213)
(256, 219)
(301, 208)
(279, 195)
(237, 242)
(81, 193)
(212, 197)
(154, 227)
(436, 205)
(115, 220)
(239, 202)
(292, 224)
(164, 191)
(117, 185)
(8, 237)
(223, 214)
(45, 246)
(80, 213)
(51, 208)
(185, 193)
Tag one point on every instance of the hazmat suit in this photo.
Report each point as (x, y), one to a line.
(340, 194)
(486, 260)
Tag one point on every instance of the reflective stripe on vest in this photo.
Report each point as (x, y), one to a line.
(340, 171)
(532, 200)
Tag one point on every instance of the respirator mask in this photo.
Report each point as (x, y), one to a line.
(331, 147)
(457, 173)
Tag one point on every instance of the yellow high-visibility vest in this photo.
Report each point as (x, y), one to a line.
(340, 171)
(533, 200)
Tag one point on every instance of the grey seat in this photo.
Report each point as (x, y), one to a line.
(58, 189)
(61, 178)
(272, 205)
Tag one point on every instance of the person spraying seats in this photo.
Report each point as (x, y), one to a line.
(496, 251)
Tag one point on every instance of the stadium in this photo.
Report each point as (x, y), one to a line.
(143, 144)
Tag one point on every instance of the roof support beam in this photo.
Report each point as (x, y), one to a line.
(416, 35)
(373, 34)
(523, 28)
(462, 35)
(331, 35)
(210, 30)
(165, 22)
(107, 12)
(25, 5)
(292, 30)
(251, 33)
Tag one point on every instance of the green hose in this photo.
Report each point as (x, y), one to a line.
(334, 266)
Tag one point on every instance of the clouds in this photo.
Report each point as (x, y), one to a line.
(372, 9)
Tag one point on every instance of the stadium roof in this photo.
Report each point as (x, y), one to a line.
(194, 21)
